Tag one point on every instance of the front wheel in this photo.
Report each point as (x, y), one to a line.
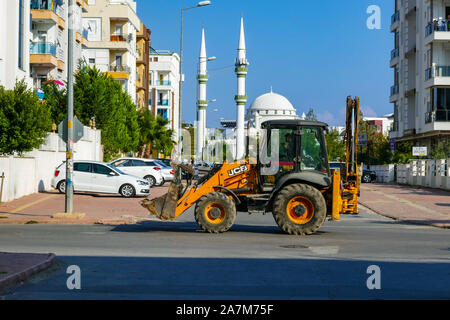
(127, 191)
(367, 178)
(215, 212)
(299, 209)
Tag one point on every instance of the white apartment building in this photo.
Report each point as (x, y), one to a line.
(49, 42)
(421, 64)
(164, 87)
(15, 36)
(111, 26)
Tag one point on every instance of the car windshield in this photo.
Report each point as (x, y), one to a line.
(115, 169)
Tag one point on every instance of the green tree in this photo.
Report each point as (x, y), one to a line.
(56, 101)
(311, 116)
(403, 152)
(335, 146)
(98, 96)
(24, 120)
(441, 150)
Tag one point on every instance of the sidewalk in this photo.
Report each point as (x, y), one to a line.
(18, 267)
(406, 203)
(98, 208)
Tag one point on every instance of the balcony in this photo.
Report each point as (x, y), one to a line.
(163, 83)
(437, 116)
(394, 89)
(395, 18)
(437, 31)
(437, 76)
(82, 37)
(394, 57)
(119, 72)
(83, 4)
(43, 54)
(48, 10)
(121, 37)
(163, 102)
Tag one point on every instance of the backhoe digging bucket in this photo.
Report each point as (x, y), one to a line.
(165, 206)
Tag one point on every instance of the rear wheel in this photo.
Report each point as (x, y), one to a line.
(151, 180)
(299, 209)
(367, 178)
(215, 212)
(61, 186)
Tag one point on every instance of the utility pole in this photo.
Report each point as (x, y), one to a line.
(69, 144)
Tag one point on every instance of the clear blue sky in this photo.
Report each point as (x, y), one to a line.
(315, 53)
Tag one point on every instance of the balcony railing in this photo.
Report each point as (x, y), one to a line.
(395, 17)
(437, 116)
(394, 89)
(164, 103)
(42, 48)
(119, 68)
(437, 71)
(45, 4)
(394, 53)
(121, 37)
(439, 26)
(163, 83)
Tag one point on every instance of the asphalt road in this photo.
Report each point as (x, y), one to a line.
(162, 260)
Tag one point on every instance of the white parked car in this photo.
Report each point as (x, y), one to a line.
(167, 171)
(93, 176)
(143, 168)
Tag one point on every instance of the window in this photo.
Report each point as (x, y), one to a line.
(101, 169)
(91, 60)
(163, 113)
(21, 9)
(312, 150)
(138, 163)
(122, 163)
(82, 167)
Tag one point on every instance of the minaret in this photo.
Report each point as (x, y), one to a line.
(202, 102)
(241, 98)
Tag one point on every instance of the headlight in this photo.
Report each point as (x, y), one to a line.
(142, 183)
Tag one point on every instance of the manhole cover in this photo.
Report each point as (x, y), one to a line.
(294, 246)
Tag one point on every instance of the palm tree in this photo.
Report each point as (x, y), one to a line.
(154, 134)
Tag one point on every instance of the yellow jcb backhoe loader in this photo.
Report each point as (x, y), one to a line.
(297, 186)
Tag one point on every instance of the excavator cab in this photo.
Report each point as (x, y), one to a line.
(290, 149)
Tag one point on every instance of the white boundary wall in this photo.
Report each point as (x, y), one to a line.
(425, 173)
(33, 171)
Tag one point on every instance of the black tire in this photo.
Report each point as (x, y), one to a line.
(61, 186)
(367, 178)
(151, 180)
(162, 183)
(127, 191)
(215, 213)
(299, 209)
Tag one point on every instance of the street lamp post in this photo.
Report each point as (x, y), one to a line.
(180, 95)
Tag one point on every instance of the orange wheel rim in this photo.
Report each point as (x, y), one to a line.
(211, 213)
(300, 210)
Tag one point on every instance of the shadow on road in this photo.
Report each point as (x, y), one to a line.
(188, 278)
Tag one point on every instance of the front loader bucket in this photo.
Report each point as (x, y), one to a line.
(165, 206)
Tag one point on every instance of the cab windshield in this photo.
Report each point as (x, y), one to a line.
(313, 153)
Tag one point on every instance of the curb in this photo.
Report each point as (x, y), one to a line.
(414, 222)
(19, 277)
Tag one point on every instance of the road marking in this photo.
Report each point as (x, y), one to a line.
(327, 250)
(32, 204)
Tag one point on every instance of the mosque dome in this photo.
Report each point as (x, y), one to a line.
(272, 104)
